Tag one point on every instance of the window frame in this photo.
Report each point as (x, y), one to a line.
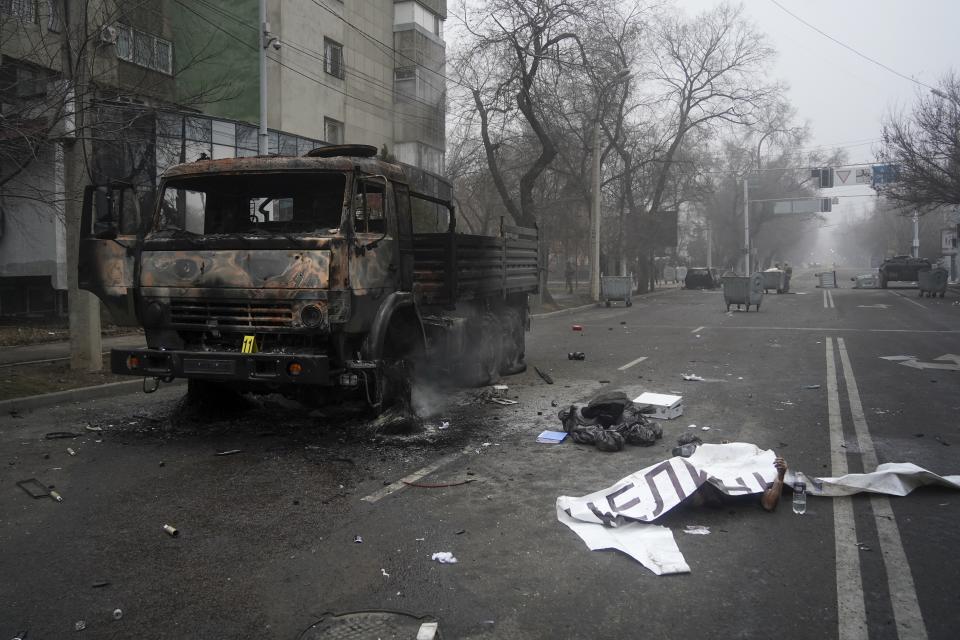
(327, 121)
(129, 34)
(333, 65)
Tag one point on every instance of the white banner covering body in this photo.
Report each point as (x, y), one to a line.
(890, 478)
(617, 517)
(736, 469)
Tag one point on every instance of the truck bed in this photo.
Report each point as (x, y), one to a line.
(450, 267)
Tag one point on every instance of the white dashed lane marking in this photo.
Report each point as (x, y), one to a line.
(630, 364)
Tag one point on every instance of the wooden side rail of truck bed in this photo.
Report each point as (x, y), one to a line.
(450, 266)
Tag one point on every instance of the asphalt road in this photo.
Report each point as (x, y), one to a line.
(267, 535)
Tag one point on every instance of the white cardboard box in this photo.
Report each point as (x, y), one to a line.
(666, 406)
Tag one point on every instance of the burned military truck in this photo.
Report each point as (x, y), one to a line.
(320, 277)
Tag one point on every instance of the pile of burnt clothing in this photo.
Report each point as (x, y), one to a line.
(609, 421)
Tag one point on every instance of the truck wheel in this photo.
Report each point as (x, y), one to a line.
(402, 350)
(513, 341)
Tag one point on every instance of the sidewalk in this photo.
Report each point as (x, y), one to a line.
(53, 351)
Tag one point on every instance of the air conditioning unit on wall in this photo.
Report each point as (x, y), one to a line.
(108, 34)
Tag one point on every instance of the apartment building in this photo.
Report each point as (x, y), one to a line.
(173, 80)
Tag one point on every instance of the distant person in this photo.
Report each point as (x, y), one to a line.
(788, 269)
(568, 274)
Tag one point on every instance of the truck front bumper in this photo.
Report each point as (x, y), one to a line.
(271, 368)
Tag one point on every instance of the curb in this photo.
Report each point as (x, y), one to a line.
(549, 314)
(75, 395)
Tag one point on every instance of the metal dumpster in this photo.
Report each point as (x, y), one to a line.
(743, 290)
(774, 279)
(932, 282)
(616, 288)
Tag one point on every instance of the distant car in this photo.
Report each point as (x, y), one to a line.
(902, 269)
(701, 278)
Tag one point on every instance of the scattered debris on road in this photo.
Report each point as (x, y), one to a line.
(863, 546)
(59, 435)
(696, 530)
(577, 327)
(71, 451)
(444, 425)
(664, 406)
(99, 584)
(79, 625)
(444, 557)
(171, 531)
(551, 437)
(692, 377)
(576, 355)
(93, 428)
(609, 421)
(811, 386)
(384, 572)
(357, 540)
(228, 452)
(546, 377)
(34, 488)
(117, 613)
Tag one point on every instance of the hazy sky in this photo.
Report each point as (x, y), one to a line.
(842, 95)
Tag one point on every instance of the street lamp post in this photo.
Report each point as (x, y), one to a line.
(267, 40)
(621, 76)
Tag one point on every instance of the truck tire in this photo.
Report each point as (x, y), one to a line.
(513, 341)
(402, 349)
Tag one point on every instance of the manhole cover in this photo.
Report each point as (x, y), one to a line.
(372, 625)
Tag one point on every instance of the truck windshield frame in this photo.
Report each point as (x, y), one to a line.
(263, 203)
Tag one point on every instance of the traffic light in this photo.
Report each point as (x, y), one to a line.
(824, 177)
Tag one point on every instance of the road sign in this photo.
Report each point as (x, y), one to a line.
(842, 177)
(885, 173)
(878, 174)
(801, 205)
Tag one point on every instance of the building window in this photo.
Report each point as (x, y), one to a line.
(413, 12)
(26, 10)
(55, 15)
(333, 131)
(333, 58)
(144, 49)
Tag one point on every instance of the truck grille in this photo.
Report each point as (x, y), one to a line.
(204, 313)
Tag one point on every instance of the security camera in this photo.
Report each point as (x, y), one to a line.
(276, 44)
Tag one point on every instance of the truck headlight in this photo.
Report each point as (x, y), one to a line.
(312, 315)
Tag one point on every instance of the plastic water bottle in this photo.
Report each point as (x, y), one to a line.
(799, 497)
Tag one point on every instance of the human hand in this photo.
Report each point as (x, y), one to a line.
(781, 466)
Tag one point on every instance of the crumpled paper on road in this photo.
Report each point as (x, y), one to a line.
(618, 517)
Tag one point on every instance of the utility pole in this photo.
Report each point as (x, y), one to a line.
(266, 41)
(622, 76)
(915, 249)
(746, 228)
(709, 230)
(83, 307)
(595, 216)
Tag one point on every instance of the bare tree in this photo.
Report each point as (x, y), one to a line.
(924, 147)
(59, 83)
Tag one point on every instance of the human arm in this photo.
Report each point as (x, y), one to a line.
(771, 496)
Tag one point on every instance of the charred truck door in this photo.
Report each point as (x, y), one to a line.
(109, 244)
